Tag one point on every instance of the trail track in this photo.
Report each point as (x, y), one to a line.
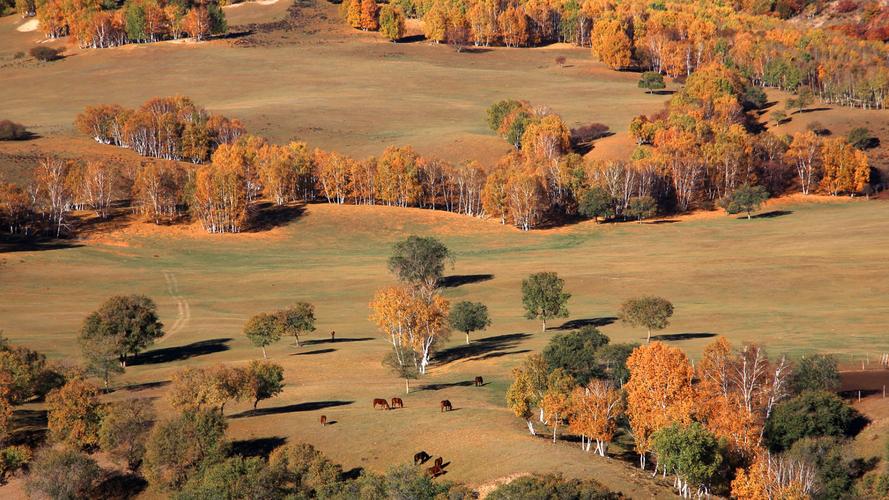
(183, 313)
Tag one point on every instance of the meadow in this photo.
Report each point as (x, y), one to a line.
(801, 278)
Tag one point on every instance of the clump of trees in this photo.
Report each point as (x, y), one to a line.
(94, 24)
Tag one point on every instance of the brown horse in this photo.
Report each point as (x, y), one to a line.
(439, 462)
(323, 420)
(397, 403)
(434, 471)
(382, 403)
(421, 457)
(479, 381)
(446, 405)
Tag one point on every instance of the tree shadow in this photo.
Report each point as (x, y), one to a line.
(337, 341)
(118, 485)
(463, 279)
(145, 386)
(476, 50)
(576, 324)
(438, 387)
(183, 352)
(662, 92)
(316, 351)
(501, 354)
(810, 110)
(300, 407)
(412, 39)
(27, 427)
(663, 221)
(351, 474)
(770, 215)
(257, 447)
(269, 216)
(672, 337)
(10, 245)
(481, 347)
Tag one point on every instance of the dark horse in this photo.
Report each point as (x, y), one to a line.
(323, 420)
(479, 381)
(421, 457)
(382, 403)
(397, 403)
(446, 405)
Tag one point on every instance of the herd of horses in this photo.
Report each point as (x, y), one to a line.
(421, 457)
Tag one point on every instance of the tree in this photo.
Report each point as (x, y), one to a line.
(779, 116)
(745, 198)
(180, 446)
(521, 397)
(576, 353)
(811, 414)
(392, 22)
(544, 298)
(101, 354)
(551, 486)
(611, 43)
(775, 476)
(595, 203)
(469, 317)
(691, 453)
(128, 321)
(370, 12)
(659, 392)
(861, 138)
(263, 330)
(650, 312)
(303, 468)
(556, 401)
(404, 370)
(805, 153)
(641, 207)
(74, 414)
(235, 477)
(124, 430)
(803, 98)
(844, 168)
(652, 80)
(595, 409)
(816, 372)
(296, 320)
(265, 380)
(420, 261)
(62, 474)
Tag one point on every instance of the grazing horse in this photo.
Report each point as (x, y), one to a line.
(323, 420)
(446, 405)
(479, 381)
(397, 403)
(421, 458)
(439, 462)
(382, 403)
(434, 471)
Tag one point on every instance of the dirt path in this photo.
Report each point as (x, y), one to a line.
(183, 313)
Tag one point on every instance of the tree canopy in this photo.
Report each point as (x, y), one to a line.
(468, 317)
(419, 261)
(650, 312)
(544, 297)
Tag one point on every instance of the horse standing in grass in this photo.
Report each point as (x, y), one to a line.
(421, 458)
(479, 381)
(397, 403)
(323, 420)
(382, 403)
(446, 405)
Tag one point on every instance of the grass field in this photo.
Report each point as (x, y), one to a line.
(804, 279)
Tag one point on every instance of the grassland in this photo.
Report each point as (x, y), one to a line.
(804, 279)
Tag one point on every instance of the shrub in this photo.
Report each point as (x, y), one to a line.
(124, 430)
(303, 468)
(816, 373)
(551, 486)
(811, 414)
(575, 352)
(826, 455)
(861, 138)
(236, 477)
(46, 54)
(11, 131)
(586, 134)
(13, 458)
(62, 474)
(178, 447)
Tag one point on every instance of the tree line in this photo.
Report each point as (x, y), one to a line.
(673, 37)
(102, 24)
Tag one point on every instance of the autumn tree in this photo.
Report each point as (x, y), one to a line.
(370, 13)
(526, 392)
(296, 320)
(844, 168)
(641, 207)
(220, 197)
(158, 190)
(51, 176)
(544, 298)
(652, 313)
(611, 43)
(196, 389)
(659, 392)
(775, 476)
(101, 356)
(595, 409)
(556, 402)
(74, 414)
(62, 474)
(392, 22)
(124, 325)
(469, 317)
(124, 430)
(264, 380)
(263, 330)
(178, 447)
(805, 154)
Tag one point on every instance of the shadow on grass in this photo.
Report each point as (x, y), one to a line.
(770, 215)
(182, 352)
(257, 447)
(27, 427)
(672, 337)
(575, 324)
(438, 387)
(10, 245)
(269, 216)
(316, 351)
(314, 405)
(463, 279)
(337, 341)
(120, 486)
(145, 386)
(482, 349)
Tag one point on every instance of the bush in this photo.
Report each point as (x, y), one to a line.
(13, 458)
(177, 448)
(861, 138)
(551, 486)
(826, 455)
(11, 131)
(575, 353)
(811, 414)
(586, 134)
(46, 54)
(816, 373)
(62, 474)
(235, 477)
(303, 469)
(124, 430)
